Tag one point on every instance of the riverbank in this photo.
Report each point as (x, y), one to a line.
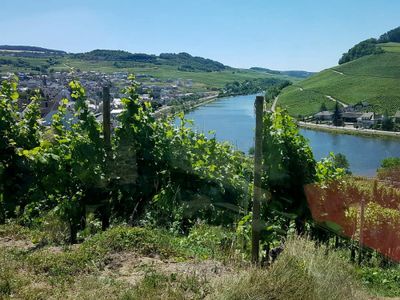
(233, 120)
(349, 130)
(185, 107)
(204, 101)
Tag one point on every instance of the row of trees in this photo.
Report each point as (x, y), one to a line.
(271, 85)
(115, 55)
(370, 46)
(189, 63)
(184, 61)
(367, 47)
(390, 36)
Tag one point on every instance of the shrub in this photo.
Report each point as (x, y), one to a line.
(206, 242)
(384, 282)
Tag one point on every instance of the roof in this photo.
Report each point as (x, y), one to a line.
(117, 111)
(324, 113)
(68, 119)
(367, 115)
(351, 114)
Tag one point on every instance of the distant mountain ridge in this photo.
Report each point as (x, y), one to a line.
(181, 71)
(293, 73)
(184, 61)
(30, 49)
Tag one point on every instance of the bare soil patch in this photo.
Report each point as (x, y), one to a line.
(131, 267)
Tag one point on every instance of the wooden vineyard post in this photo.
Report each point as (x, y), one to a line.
(106, 118)
(105, 210)
(257, 193)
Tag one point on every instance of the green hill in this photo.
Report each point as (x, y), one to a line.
(184, 61)
(372, 78)
(206, 74)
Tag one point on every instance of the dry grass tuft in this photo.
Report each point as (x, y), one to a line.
(303, 271)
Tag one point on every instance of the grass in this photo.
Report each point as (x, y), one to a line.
(303, 271)
(160, 286)
(79, 271)
(371, 78)
(18, 281)
(391, 47)
(311, 101)
(168, 266)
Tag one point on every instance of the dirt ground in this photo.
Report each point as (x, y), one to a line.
(131, 267)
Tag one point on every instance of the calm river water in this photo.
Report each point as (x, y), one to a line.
(233, 120)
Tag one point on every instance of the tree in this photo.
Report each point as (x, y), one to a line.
(391, 36)
(337, 116)
(367, 47)
(391, 162)
(340, 161)
(387, 122)
(323, 107)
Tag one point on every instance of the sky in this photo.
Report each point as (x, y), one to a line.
(278, 34)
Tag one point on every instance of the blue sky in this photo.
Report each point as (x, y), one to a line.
(278, 34)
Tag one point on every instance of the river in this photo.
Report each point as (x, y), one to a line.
(233, 120)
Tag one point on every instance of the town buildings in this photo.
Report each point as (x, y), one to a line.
(53, 87)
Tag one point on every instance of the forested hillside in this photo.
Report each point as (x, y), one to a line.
(205, 74)
(184, 61)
